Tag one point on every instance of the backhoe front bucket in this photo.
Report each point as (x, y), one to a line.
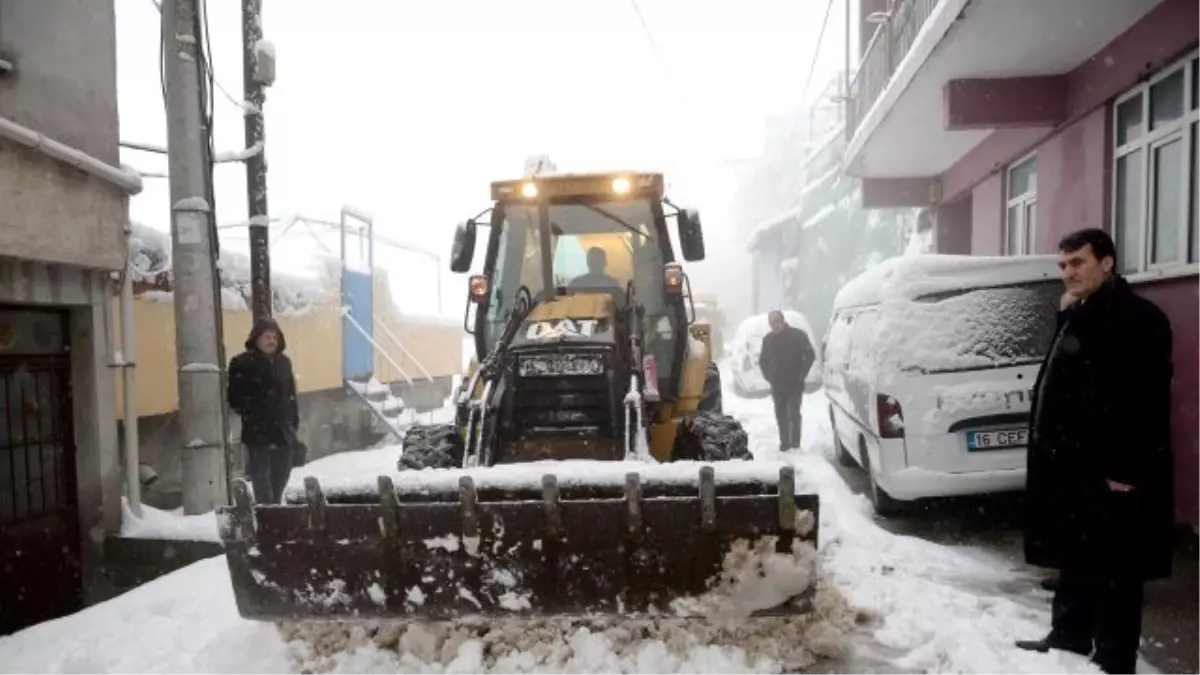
(617, 541)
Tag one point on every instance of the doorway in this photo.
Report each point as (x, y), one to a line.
(40, 567)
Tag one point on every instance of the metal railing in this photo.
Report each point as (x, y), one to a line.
(404, 350)
(891, 42)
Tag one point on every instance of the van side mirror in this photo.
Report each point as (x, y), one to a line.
(691, 236)
(463, 250)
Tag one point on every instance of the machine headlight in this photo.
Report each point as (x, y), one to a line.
(555, 365)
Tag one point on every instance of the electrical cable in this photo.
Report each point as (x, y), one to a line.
(812, 66)
(670, 77)
(658, 54)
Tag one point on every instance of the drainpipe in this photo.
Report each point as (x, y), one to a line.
(126, 179)
(133, 484)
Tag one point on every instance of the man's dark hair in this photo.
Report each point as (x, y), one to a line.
(1102, 244)
(597, 259)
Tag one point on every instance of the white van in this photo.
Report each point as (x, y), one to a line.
(930, 364)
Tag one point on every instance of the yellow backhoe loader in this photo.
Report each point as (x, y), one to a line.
(589, 470)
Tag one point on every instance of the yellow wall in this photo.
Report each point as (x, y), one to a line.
(314, 343)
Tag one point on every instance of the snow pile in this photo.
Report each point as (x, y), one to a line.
(755, 577)
(594, 645)
(173, 525)
(150, 259)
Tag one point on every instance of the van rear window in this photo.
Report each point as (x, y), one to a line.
(971, 329)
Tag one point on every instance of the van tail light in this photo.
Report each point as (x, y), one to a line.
(891, 417)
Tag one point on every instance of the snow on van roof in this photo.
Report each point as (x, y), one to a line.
(909, 277)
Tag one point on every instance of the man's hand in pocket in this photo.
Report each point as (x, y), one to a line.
(1119, 487)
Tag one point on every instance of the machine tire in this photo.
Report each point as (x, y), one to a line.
(435, 446)
(711, 437)
(710, 400)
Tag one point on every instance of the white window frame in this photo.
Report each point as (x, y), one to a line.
(1148, 141)
(1026, 233)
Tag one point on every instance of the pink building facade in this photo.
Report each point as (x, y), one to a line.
(1019, 121)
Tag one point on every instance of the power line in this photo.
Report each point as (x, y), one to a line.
(672, 85)
(662, 61)
(812, 66)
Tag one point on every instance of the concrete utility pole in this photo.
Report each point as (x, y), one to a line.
(197, 336)
(258, 71)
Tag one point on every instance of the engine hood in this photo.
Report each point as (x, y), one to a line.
(577, 319)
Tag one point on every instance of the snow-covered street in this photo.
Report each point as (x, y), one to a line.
(913, 606)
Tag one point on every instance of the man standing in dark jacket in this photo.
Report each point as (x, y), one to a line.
(1099, 486)
(787, 356)
(262, 391)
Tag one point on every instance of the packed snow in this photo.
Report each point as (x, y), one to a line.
(884, 602)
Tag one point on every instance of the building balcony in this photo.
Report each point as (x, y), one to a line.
(939, 76)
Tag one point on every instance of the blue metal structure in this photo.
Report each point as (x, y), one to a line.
(358, 296)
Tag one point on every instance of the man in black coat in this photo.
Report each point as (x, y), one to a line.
(262, 391)
(1099, 487)
(786, 357)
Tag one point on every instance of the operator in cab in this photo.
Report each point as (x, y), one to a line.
(597, 262)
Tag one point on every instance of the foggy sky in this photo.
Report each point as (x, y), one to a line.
(409, 109)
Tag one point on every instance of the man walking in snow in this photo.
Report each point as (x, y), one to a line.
(262, 391)
(1099, 487)
(786, 357)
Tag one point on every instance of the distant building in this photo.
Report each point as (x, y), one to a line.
(1018, 121)
(805, 251)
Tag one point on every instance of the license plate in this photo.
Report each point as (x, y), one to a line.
(997, 440)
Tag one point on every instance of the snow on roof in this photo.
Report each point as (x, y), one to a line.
(818, 217)
(150, 258)
(911, 276)
(777, 220)
(765, 226)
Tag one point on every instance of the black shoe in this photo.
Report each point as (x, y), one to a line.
(1050, 584)
(1115, 669)
(1047, 643)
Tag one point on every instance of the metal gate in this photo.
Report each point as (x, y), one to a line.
(40, 569)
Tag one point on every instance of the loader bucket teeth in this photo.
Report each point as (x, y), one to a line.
(631, 545)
